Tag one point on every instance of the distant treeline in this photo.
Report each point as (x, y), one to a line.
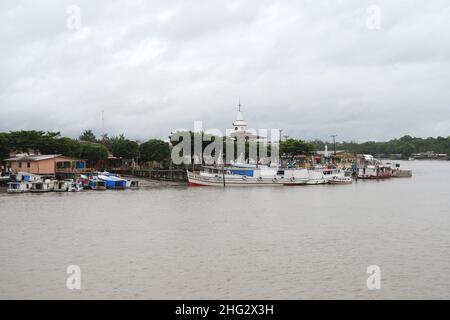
(91, 148)
(405, 145)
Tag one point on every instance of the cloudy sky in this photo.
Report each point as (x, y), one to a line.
(364, 70)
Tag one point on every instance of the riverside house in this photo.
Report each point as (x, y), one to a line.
(45, 164)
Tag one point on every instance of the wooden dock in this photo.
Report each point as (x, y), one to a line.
(175, 175)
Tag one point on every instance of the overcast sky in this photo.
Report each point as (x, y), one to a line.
(364, 70)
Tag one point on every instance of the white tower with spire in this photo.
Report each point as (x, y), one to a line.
(239, 124)
(240, 127)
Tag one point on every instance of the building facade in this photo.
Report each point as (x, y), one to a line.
(45, 164)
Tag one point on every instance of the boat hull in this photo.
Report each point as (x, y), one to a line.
(340, 181)
(231, 181)
(374, 177)
(401, 174)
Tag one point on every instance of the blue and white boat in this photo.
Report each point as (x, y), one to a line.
(112, 181)
(248, 175)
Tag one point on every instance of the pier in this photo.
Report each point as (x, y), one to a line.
(175, 175)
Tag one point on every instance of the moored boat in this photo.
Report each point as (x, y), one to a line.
(45, 185)
(340, 180)
(76, 186)
(401, 173)
(248, 175)
(113, 182)
(18, 187)
(371, 168)
(315, 177)
(97, 184)
(62, 186)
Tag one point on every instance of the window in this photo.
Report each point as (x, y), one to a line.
(28, 164)
(20, 164)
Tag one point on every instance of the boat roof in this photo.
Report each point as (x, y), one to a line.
(110, 178)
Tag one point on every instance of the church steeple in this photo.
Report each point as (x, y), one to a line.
(239, 124)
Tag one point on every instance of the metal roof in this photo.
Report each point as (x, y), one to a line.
(37, 157)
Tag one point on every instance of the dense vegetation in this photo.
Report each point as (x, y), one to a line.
(86, 147)
(154, 150)
(405, 145)
(90, 148)
(49, 143)
(290, 147)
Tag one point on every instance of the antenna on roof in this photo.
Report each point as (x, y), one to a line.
(239, 104)
(103, 122)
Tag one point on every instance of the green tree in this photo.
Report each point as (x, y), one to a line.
(93, 152)
(68, 147)
(125, 148)
(88, 135)
(4, 145)
(292, 147)
(407, 149)
(154, 150)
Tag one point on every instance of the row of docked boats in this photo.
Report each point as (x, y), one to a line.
(252, 175)
(26, 182)
(246, 174)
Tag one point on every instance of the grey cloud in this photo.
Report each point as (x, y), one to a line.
(312, 68)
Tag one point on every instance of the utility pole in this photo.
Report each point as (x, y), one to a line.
(223, 169)
(285, 137)
(103, 123)
(334, 142)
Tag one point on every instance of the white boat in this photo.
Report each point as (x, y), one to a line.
(330, 172)
(371, 168)
(76, 186)
(18, 187)
(62, 185)
(45, 185)
(248, 175)
(340, 180)
(7, 177)
(315, 177)
(27, 177)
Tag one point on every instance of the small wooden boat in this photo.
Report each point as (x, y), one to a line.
(62, 186)
(76, 186)
(400, 173)
(46, 185)
(371, 168)
(97, 184)
(18, 187)
(111, 181)
(340, 180)
(316, 177)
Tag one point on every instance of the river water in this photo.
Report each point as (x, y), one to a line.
(168, 241)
